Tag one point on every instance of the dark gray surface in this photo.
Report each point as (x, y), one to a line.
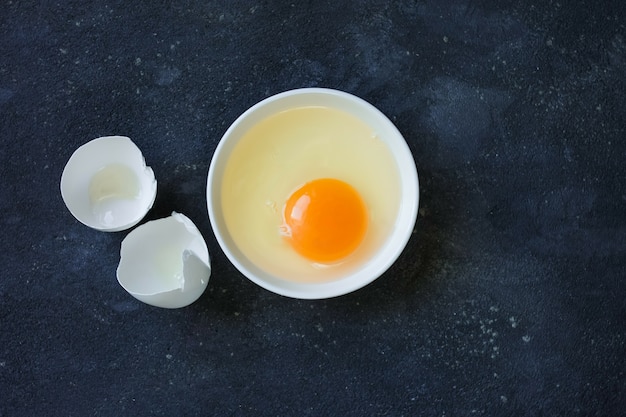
(508, 300)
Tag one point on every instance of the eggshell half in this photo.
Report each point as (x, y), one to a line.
(106, 184)
(165, 262)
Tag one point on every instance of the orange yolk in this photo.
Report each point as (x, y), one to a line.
(325, 220)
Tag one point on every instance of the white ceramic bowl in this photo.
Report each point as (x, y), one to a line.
(409, 192)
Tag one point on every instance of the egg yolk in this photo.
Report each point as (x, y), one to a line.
(325, 220)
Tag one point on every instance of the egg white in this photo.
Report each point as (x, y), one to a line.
(288, 149)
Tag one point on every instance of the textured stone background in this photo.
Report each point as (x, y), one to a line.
(508, 300)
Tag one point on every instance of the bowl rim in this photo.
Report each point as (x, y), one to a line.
(383, 258)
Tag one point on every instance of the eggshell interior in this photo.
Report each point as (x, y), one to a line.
(126, 189)
(165, 262)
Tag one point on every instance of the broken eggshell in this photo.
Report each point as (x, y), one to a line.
(165, 262)
(106, 184)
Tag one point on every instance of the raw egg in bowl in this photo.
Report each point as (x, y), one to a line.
(312, 193)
